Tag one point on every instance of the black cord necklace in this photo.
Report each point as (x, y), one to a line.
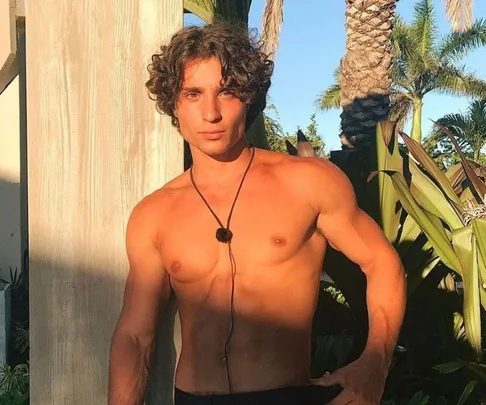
(224, 235)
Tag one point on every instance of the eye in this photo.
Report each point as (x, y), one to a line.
(228, 93)
(192, 95)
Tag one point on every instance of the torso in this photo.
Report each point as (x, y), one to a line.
(278, 253)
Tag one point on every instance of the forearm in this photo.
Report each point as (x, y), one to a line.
(386, 299)
(129, 370)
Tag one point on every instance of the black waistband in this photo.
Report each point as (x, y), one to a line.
(301, 395)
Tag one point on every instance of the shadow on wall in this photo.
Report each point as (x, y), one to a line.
(10, 250)
(71, 326)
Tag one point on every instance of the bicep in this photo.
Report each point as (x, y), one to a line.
(348, 228)
(147, 286)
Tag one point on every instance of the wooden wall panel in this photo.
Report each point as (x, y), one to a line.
(96, 146)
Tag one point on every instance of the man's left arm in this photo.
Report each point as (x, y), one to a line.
(350, 230)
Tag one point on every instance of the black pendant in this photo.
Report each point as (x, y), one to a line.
(224, 235)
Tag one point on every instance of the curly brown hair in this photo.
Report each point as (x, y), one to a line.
(245, 68)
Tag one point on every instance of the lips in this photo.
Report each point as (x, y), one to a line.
(212, 134)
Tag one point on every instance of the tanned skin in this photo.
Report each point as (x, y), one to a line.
(289, 210)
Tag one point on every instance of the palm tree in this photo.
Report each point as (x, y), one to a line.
(423, 64)
(211, 10)
(469, 130)
(363, 76)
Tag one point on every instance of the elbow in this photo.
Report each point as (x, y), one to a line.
(385, 265)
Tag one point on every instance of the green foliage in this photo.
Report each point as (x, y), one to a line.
(14, 379)
(469, 129)
(424, 63)
(278, 140)
(21, 338)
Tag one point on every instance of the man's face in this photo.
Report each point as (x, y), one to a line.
(211, 118)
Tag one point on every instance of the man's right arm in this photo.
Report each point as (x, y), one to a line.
(147, 290)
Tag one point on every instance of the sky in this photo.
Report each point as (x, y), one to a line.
(312, 42)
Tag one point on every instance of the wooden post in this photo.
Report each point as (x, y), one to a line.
(96, 146)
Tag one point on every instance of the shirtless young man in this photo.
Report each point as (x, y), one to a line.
(213, 82)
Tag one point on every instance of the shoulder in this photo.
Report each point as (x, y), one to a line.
(148, 214)
(318, 180)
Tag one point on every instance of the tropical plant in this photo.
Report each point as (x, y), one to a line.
(283, 142)
(455, 228)
(421, 65)
(21, 338)
(213, 10)
(14, 379)
(469, 129)
(363, 76)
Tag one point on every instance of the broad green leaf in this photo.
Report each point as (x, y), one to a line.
(464, 244)
(438, 224)
(441, 244)
(447, 368)
(477, 184)
(431, 198)
(387, 157)
(410, 231)
(421, 155)
(479, 228)
(407, 235)
(467, 391)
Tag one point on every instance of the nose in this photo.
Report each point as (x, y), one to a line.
(211, 109)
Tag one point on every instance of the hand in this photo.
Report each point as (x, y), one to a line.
(363, 382)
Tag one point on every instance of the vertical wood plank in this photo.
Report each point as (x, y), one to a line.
(96, 146)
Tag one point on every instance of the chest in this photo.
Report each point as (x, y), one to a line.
(269, 226)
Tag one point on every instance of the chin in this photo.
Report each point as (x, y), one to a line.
(220, 147)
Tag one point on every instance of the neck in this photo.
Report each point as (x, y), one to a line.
(221, 168)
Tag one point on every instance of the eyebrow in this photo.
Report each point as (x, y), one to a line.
(192, 89)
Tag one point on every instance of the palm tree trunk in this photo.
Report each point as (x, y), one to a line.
(365, 69)
(477, 153)
(417, 120)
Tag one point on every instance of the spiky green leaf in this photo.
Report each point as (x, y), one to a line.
(421, 155)
(464, 245)
(479, 188)
(436, 237)
(431, 198)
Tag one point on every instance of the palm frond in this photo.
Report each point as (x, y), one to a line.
(236, 10)
(204, 9)
(423, 30)
(400, 75)
(271, 24)
(477, 113)
(459, 13)
(456, 123)
(456, 45)
(454, 80)
(400, 38)
(331, 97)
